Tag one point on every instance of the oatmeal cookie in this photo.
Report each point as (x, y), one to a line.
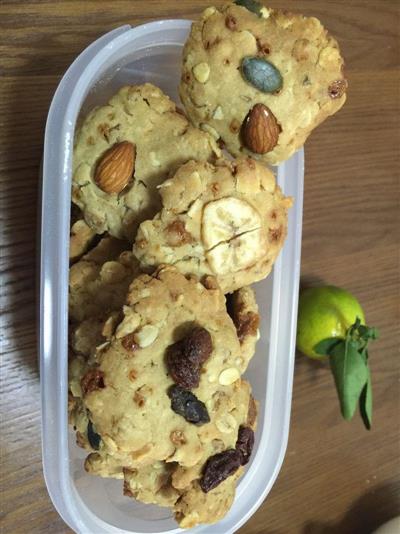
(124, 150)
(132, 389)
(260, 79)
(229, 221)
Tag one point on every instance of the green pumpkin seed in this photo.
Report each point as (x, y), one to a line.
(251, 5)
(93, 438)
(261, 74)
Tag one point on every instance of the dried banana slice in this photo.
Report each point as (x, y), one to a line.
(228, 221)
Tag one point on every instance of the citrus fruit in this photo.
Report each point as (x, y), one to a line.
(325, 312)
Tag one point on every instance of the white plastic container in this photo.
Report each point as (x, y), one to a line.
(92, 505)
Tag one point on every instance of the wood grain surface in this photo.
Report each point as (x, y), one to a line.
(337, 478)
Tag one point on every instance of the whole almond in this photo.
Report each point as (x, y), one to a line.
(115, 167)
(260, 130)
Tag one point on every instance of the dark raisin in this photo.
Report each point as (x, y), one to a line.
(93, 438)
(197, 346)
(245, 443)
(184, 358)
(187, 405)
(218, 468)
(92, 380)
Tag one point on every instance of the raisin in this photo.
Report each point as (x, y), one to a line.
(245, 443)
(184, 358)
(218, 468)
(93, 438)
(92, 380)
(187, 405)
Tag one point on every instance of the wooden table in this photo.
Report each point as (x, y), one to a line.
(337, 477)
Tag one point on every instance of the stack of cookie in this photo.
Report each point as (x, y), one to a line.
(167, 239)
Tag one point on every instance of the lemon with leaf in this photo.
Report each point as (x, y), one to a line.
(331, 324)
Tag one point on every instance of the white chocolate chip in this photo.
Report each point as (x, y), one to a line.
(226, 424)
(218, 113)
(146, 335)
(228, 376)
(201, 72)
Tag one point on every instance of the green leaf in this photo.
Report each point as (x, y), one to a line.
(350, 373)
(368, 333)
(325, 346)
(366, 403)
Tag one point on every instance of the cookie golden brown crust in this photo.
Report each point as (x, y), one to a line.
(124, 150)
(232, 221)
(233, 55)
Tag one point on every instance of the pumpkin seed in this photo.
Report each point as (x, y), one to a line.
(251, 5)
(261, 74)
(93, 438)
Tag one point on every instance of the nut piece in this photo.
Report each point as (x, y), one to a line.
(201, 72)
(260, 130)
(146, 335)
(92, 380)
(228, 376)
(337, 88)
(116, 167)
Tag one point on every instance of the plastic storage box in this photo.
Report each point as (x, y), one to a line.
(151, 52)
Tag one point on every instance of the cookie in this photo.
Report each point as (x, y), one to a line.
(243, 309)
(124, 150)
(228, 221)
(127, 394)
(260, 79)
(170, 484)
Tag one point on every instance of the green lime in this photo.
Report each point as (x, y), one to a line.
(325, 312)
